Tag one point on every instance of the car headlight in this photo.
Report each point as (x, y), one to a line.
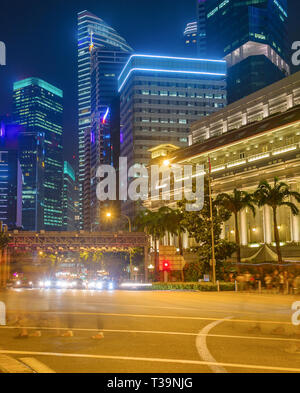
(99, 285)
(110, 285)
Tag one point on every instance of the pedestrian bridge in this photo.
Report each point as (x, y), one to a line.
(77, 241)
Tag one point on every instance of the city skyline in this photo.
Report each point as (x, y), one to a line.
(58, 22)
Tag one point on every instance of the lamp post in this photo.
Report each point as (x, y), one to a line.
(109, 215)
(212, 224)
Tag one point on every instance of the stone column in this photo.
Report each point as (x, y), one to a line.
(244, 119)
(185, 240)
(171, 240)
(267, 224)
(223, 233)
(290, 101)
(266, 111)
(244, 228)
(295, 221)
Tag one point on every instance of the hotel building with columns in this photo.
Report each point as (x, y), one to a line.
(257, 138)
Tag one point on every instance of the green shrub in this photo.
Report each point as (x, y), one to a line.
(196, 286)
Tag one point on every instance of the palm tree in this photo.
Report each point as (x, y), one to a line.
(235, 203)
(154, 224)
(173, 224)
(276, 196)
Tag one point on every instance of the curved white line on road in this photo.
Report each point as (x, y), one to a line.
(203, 350)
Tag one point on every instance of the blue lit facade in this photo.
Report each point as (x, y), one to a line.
(251, 35)
(38, 109)
(201, 28)
(190, 35)
(10, 177)
(93, 33)
(160, 97)
(70, 198)
(107, 65)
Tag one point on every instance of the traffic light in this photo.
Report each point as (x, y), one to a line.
(166, 266)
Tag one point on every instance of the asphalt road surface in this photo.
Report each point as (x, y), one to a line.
(150, 332)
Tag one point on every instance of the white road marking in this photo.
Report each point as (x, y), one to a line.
(177, 308)
(10, 365)
(37, 366)
(152, 360)
(153, 332)
(203, 350)
(151, 316)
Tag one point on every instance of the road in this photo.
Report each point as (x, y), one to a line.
(151, 332)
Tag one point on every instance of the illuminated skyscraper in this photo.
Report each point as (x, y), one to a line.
(93, 33)
(38, 109)
(190, 38)
(70, 198)
(160, 98)
(201, 28)
(251, 35)
(10, 177)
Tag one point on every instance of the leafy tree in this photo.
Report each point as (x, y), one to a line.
(153, 223)
(276, 196)
(91, 259)
(235, 203)
(198, 225)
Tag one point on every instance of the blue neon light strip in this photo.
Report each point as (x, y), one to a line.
(105, 116)
(169, 58)
(168, 71)
(38, 82)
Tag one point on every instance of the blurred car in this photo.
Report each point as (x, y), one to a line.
(101, 284)
(23, 283)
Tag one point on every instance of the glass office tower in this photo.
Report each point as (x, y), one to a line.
(160, 98)
(70, 198)
(102, 139)
(201, 28)
(38, 109)
(251, 35)
(93, 33)
(190, 35)
(10, 177)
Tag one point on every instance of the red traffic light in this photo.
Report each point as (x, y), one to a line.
(166, 265)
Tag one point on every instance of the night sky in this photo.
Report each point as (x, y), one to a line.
(41, 41)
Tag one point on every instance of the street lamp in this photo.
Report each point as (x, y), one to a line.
(109, 215)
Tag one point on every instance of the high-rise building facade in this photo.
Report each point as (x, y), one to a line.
(102, 139)
(254, 139)
(201, 28)
(161, 96)
(10, 177)
(93, 33)
(70, 198)
(38, 109)
(190, 35)
(251, 35)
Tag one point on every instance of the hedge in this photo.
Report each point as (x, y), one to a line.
(193, 286)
